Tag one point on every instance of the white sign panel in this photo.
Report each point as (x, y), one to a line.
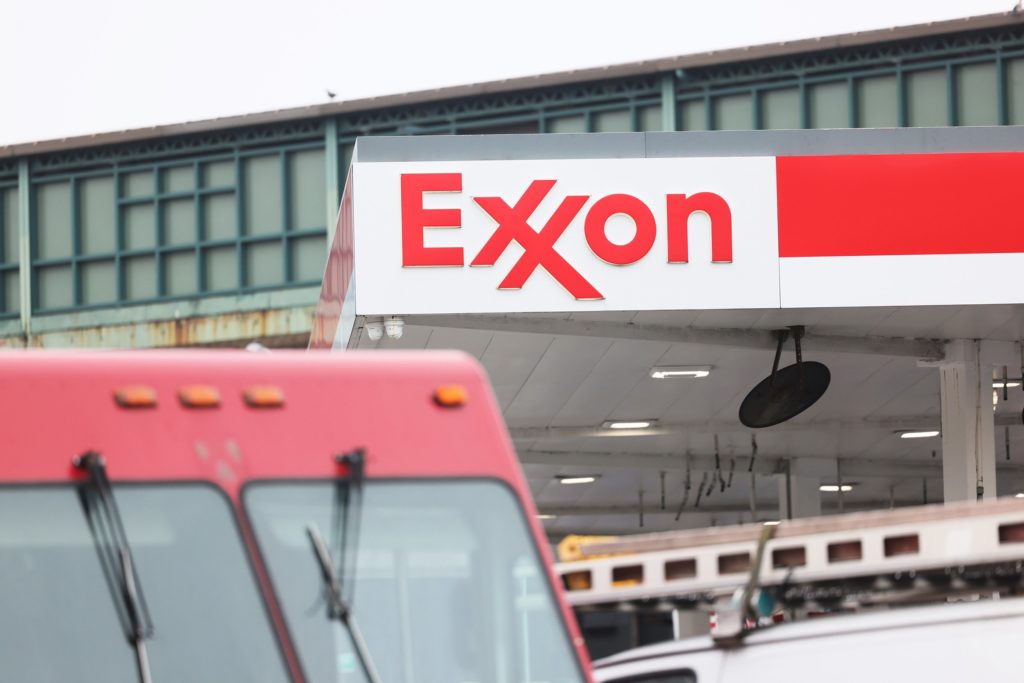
(565, 235)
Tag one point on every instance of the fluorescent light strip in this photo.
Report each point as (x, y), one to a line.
(1009, 385)
(835, 488)
(547, 516)
(678, 371)
(577, 480)
(628, 424)
(925, 434)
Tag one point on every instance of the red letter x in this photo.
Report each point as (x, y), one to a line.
(538, 247)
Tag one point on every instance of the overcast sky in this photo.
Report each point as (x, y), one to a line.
(72, 67)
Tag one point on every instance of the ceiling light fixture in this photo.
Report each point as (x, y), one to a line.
(627, 424)
(835, 488)
(374, 331)
(543, 516)
(1009, 385)
(921, 434)
(771, 522)
(1019, 495)
(576, 479)
(674, 371)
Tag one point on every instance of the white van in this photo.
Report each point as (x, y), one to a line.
(961, 643)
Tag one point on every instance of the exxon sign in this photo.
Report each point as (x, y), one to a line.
(685, 233)
(565, 235)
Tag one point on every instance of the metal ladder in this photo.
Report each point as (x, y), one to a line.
(855, 560)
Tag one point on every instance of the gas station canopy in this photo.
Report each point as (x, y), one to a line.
(652, 279)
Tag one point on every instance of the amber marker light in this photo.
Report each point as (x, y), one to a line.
(264, 397)
(199, 396)
(135, 397)
(450, 395)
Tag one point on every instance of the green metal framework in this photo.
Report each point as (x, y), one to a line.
(247, 209)
(196, 234)
(964, 63)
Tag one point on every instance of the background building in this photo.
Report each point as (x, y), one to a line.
(215, 232)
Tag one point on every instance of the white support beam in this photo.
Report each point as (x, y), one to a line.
(799, 496)
(892, 424)
(968, 448)
(689, 510)
(707, 508)
(823, 467)
(925, 349)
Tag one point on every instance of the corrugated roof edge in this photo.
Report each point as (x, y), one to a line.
(553, 79)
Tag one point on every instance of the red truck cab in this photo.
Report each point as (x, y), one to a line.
(161, 512)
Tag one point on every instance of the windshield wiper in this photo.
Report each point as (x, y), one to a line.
(116, 557)
(338, 607)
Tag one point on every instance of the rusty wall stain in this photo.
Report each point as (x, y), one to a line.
(279, 328)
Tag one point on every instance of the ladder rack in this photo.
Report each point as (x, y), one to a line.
(887, 556)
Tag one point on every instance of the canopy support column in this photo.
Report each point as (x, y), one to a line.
(968, 448)
(799, 495)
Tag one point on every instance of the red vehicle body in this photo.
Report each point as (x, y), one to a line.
(237, 480)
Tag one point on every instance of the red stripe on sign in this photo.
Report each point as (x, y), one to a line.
(901, 204)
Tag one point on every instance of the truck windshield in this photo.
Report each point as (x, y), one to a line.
(59, 620)
(448, 585)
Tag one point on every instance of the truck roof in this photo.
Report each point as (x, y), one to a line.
(60, 404)
(837, 624)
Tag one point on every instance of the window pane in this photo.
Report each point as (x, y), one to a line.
(876, 102)
(221, 269)
(308, 187)
(55, 287)
(1015, 86)
(692, 115)
(99, 282)
(139, 226)
(139, 184)
(9, 222)
(781, 108)
(264, 264)
(9, 283)
(927, 98)
(53, 220)
(179, 221)
(97, 203)
(567, 124)
(12, 292)
(650, 118)
(140, 277)
(219, 219)
(830, 105)
(309, 255)
(54, 590)
(427, 552)
(179, 179)
(733, 112)
(218, 173)
(612, 121)
(60, 620)
(263, 195)
(180, 273)
(977, 98)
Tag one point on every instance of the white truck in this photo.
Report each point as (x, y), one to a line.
(925, 594)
